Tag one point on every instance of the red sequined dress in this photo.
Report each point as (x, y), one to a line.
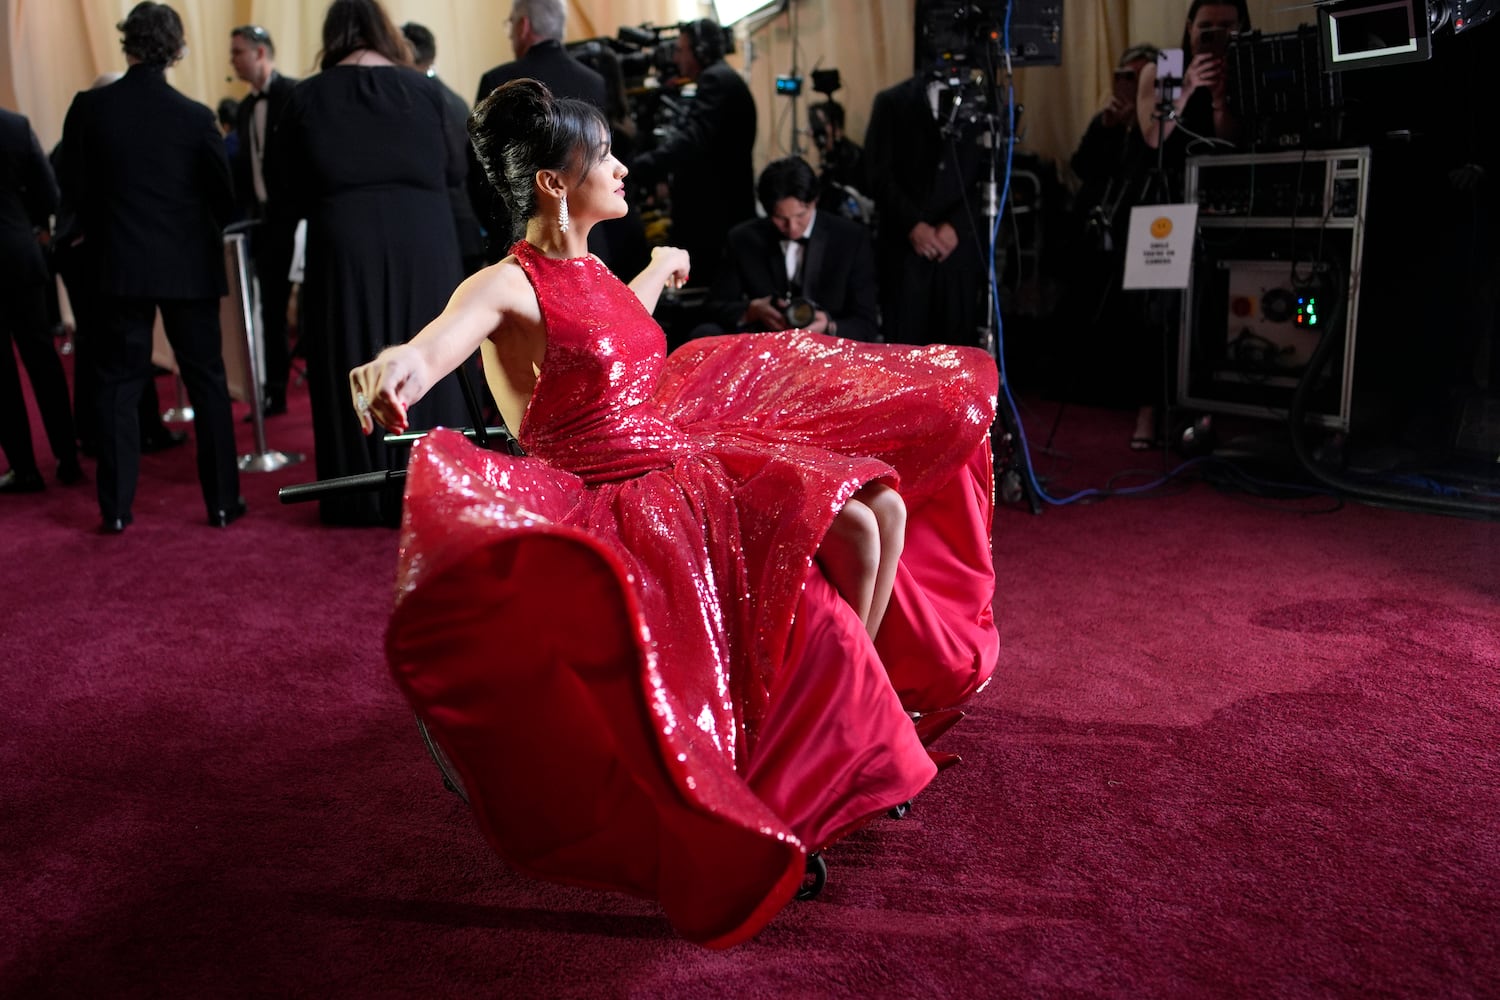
(622, 641)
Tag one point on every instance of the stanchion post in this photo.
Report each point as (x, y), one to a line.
(263, 459)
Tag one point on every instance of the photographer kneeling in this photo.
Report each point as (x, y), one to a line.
(798, 267)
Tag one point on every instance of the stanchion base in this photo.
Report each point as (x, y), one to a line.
(268, 461)
(178, 415)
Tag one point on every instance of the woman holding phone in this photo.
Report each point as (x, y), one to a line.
(1200, 106)
(1199, 111)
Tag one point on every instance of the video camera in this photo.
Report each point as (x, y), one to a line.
(962, 46)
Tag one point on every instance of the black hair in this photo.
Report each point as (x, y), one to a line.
(1242, 6)
(423, 44)
(831, 110)
(152, 34)
(228, 111)
(788, 177)
(520, 128)
(706, 40)
(351, 25)
(255, 35)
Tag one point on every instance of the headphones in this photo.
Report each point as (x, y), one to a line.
(705, 39)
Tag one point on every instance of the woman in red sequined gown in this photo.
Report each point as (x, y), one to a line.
(627, 642)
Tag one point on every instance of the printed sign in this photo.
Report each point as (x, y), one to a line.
(1159, 252)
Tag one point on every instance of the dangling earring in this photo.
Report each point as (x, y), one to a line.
(562, 214)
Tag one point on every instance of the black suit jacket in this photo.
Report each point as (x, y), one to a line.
(28, 195)
(918, 175)
(838, 273)
(146, 169)
(565, 76)
(709, 154)
(550, 63)
(276, 95)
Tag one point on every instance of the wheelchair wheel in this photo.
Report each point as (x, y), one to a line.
(817, 875)
(451, 780)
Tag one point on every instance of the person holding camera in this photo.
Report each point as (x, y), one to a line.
(797, 267)
(1201, 109)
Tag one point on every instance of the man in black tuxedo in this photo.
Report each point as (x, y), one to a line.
(147, 170)
(932, 271)
(28, 195)
(708, 153)
(796, 253)
(536, 34)
(253, 55)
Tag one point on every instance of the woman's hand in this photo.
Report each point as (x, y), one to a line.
(675, 262)
(382, 389)
(1206, 70)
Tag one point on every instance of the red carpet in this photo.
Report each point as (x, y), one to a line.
(1233, 749)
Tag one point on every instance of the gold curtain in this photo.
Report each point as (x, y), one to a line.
(54, 48)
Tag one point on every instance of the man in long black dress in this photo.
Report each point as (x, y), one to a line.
(536, 34)
(929, 248)
(147, 170)
(253, 55)
(708, 153)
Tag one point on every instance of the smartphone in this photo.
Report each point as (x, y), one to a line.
(1214, 42)
(1169, 68)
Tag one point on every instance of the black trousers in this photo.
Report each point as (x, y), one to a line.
(80, 273)
(24, 320)
(124, 366)
(271, 250)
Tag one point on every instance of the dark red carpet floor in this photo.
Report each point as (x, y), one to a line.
(1234, 748)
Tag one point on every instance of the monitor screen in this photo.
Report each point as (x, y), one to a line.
(730, 11)
(1360, 33)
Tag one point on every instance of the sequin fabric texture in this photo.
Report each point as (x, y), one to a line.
(689, 496)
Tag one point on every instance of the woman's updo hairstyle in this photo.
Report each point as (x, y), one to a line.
(520, 128)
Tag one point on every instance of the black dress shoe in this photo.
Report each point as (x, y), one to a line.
(69, 472)
(113, 525)
(225, 516)
(161, 440)
(22, 482)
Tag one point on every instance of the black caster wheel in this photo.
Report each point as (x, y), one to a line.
(817, 874)
(899, 812)
(451, 780)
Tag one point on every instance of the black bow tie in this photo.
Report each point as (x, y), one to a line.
(801, 239)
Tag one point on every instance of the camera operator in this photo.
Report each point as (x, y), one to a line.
(931, 267)
(708, 152)
(798, 267)
(841, 162)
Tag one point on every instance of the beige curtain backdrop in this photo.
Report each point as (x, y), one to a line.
(53, 48)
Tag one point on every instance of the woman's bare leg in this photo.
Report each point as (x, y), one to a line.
(861, 550)
(890, 519)
(850, 556)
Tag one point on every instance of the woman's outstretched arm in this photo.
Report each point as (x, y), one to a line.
(399, 376)
(669, 266)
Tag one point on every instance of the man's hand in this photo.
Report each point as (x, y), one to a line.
(765, 314)
(947, 240)
(924, 241)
